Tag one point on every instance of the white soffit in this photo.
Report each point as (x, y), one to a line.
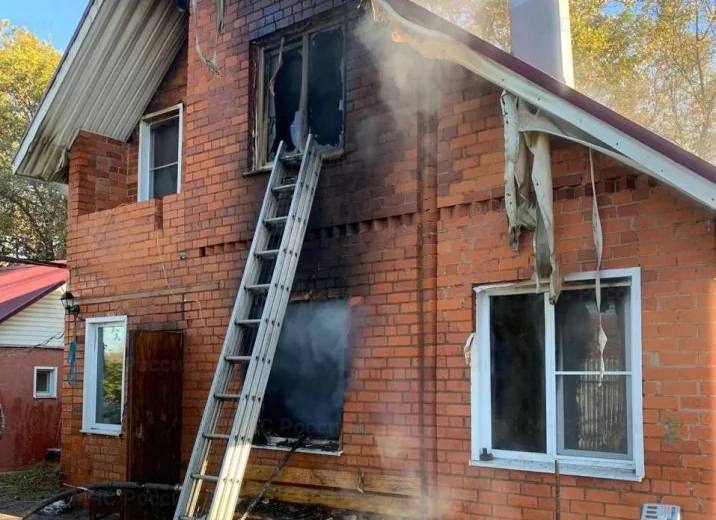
(118, 57)
(434, 44)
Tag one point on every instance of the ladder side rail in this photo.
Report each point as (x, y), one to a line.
(191, 487)
(234, 466)
(249, 423)
(227, 497)
(228, 478)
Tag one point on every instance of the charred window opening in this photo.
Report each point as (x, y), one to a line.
(303, 92)
(325, 87)
(305, 393)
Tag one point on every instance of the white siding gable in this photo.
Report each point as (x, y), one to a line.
(40, 324)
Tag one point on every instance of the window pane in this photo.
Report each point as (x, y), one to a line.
(284, 103)
(577, 326)
(165, 142)
(595, 413)
(164, 181)
(517, 361)
(43, 381)
(110, 364)
(325, 86)
(306, 388)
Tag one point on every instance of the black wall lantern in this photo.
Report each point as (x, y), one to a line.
(68, 302)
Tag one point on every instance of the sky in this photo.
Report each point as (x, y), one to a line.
(51, 20)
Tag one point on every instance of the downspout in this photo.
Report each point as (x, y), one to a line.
(426, 228)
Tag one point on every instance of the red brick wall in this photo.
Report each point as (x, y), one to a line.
(405, 223)
(29, 427)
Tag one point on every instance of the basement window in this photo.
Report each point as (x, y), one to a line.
(305, 392)
(539, 396)
(160, 136)
(44, 384)
(103, 386)
(302, 92)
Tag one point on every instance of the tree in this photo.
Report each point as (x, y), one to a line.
(653, 61)
(32, 213)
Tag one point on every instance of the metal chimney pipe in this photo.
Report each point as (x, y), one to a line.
(541, 36)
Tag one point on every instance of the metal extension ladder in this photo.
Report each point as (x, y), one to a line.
(223, 443)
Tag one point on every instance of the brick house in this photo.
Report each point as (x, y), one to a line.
(164, 123)
(31, 340)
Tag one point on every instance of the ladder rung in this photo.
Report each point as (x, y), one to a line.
(199, 476)
(283, 187)
(216, 436)
(275, 221)
(237, 359)
(248, 323)
(228, 397)
(259, 287)
(269, 253)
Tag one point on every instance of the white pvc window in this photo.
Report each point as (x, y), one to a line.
(104, 375)
(44, 384)
(539, 396)
(160, 151)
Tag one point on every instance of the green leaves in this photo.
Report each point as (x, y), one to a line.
(32, 213)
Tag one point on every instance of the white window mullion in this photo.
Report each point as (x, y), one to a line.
(482, 387)
(550, 378)
(634, 345)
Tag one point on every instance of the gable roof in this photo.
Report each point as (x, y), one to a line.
(20, 287)
(641, 148)
(116, 60)
(122, 50)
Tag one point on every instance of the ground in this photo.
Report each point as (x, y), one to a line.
(20, 490)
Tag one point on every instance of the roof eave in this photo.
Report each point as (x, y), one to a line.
(437, 38)
(141, 38)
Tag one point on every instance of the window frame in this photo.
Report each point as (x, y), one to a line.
(89, 386)
(631, 468)
(144, 184)
(260, 127)
(52, 383)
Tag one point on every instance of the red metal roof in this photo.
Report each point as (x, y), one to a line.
(23, 286)
(415, 13)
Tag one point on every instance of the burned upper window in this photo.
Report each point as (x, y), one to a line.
(302, 92)
(305, 392)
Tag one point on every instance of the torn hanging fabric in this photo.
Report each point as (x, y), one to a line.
(279, 64)
(219, 15)
(544, 245)
(520, 212)
(599, 248)
(467, 348)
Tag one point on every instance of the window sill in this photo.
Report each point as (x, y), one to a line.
(101, 431)
(45, 396)
(332, 155)
(577, 469)
(312, 451)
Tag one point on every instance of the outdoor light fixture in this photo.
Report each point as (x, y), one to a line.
(68, 302)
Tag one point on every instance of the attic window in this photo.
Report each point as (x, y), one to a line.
(302, 92)
(160, 136)
(305, 392)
